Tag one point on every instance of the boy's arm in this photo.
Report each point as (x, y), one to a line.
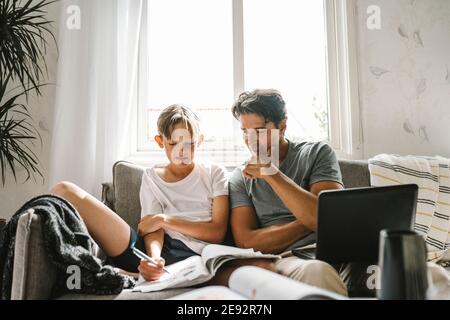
(154, 242)
(213, 232)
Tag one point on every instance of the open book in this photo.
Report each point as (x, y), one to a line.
(255, 283)
(198, 269)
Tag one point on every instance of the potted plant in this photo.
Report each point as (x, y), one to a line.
(24, 34)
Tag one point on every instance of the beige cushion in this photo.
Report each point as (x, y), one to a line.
(127, 179)
(33, 273)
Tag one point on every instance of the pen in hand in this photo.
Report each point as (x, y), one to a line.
(143, 256)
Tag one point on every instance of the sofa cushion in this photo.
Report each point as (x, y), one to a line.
(108, 194)
(127, 183)
(33, 273)
(355, 173)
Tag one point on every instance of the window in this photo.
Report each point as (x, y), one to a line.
(285, 48)
(203, 54)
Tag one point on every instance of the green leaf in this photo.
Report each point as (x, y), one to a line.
(23, 41)
(16, 135)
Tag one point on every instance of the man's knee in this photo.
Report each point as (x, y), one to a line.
(314, 272)
(267, 264)
(318, 270)
(439, 282)
(323, 275)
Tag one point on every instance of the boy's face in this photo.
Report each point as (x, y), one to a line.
(257, 133)
(180, 148)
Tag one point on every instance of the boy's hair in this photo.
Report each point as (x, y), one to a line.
(175, 114)
(267, 103)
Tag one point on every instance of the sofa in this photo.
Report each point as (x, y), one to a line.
(32, 272)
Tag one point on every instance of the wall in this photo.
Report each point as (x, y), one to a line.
(13, 194)
(404, 71)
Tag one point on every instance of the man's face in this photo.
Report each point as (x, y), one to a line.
(257, 133)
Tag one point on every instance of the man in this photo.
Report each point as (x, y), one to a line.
(275, 210)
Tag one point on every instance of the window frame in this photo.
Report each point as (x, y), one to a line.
(345, 134)
(345, 130)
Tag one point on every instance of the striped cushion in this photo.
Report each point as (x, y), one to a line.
(432, 175)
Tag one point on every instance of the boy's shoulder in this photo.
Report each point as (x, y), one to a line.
(211, 167)
(154, 169)
(213, 171)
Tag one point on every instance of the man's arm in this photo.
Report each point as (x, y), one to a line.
(302, 203)
(325, 175)
(274, 239)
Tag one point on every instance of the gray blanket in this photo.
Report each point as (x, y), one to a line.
(67, 242)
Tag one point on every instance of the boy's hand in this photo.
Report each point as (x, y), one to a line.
(151, 223)
(151, 272)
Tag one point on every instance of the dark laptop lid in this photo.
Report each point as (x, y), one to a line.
(350, 220)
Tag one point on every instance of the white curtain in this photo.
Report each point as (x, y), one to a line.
(94, 100)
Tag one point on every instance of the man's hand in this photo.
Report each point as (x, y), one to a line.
(151, 272)
(151, 223)
(257, 170)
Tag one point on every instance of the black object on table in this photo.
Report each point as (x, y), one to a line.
(403, 263)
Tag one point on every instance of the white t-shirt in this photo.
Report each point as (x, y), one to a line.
(189, 199)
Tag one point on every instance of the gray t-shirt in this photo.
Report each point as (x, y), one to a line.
(306, 163)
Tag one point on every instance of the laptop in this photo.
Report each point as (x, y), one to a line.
(350, 221)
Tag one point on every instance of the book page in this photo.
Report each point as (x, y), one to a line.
(215, 255)
(209, 293)
(260, 284)
(188, 272)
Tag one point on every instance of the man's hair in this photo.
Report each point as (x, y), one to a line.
(267, 103)
(175, 114)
